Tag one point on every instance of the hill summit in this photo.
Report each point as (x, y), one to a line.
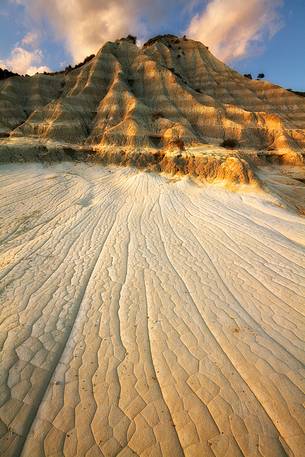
(169, 93)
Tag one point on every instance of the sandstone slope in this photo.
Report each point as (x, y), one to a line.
(150, 97)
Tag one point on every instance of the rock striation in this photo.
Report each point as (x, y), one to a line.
(171, 91)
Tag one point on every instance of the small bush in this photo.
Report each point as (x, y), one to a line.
(260, 76)
(230, 143)
(248, 75)
(132, 38)
(301, 94)
(164, 38)
(86, 60)
(4, 74)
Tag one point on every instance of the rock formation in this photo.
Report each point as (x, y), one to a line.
(170, 92)
(142, 315)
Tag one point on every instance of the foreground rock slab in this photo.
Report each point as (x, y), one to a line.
(147, 316)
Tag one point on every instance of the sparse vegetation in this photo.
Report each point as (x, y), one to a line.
(86, 60)
(230, 143)
(132, 38)
(4, 74)
(260, 76)
(69, 67)
(248, 75)
(167, 37)
(301, 94)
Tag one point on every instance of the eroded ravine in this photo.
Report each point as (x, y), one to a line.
(144, 316)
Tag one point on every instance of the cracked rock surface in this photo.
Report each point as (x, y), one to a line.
(142, 316)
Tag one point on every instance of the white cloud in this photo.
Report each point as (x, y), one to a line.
(233, 28)
(24, 62)
(30, 39)
(85, 25)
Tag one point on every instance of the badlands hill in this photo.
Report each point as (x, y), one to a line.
(165, 94)
(143, 315)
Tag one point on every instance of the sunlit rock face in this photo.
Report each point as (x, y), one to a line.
(169, 89)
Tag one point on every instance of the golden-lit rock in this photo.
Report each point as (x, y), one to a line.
(147, 97)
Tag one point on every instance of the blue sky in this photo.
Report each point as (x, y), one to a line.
(283, 59)
(252, 36)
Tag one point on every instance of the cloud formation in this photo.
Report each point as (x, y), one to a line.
(26, 58)
(30, 39)
(233, 28)
(24, 61)
(84, 25)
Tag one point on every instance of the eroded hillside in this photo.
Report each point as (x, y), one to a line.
(169, 89)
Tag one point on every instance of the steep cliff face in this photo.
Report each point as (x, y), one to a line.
(170, 89)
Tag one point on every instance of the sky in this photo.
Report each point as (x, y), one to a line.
(252, 36)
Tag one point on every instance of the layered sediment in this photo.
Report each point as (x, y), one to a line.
(140, 314)
(170, 90)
